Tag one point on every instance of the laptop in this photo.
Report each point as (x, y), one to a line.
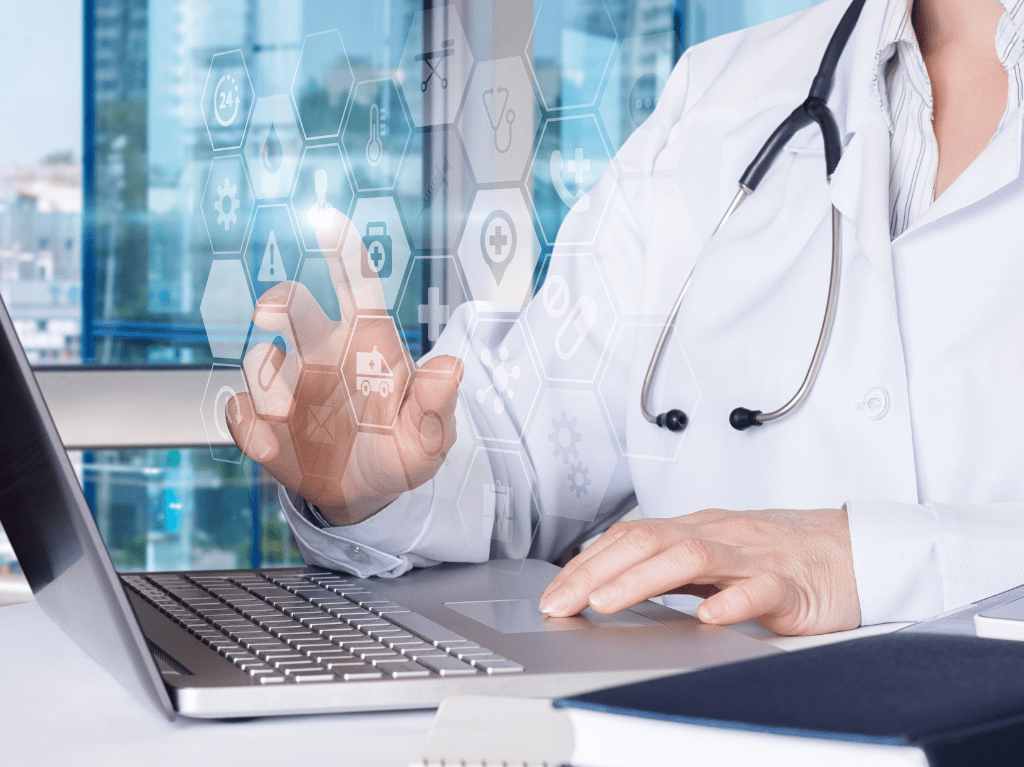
(243, 643)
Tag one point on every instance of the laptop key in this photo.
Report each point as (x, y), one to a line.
(402, 669)
(356, 673)
(498, 666)
(426, 628)
(446, 665)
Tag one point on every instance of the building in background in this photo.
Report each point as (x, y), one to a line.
(41, 256)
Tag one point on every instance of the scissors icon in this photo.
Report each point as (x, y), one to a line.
(498, 97)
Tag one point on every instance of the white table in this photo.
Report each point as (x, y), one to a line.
(59, 707)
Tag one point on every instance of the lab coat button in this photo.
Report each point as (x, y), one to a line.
(355, 553)
(875, 403)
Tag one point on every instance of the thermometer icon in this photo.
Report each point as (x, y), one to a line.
(374, 147)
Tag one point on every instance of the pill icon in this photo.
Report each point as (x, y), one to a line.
(577, 325)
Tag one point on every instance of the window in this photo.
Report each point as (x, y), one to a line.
(218, 133)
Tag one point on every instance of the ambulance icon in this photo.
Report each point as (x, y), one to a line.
(373, 374)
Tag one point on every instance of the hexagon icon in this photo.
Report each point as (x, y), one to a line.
(376, 369)
(571, 158)
(435, 66)
(227, 100)
(226, 309)
(513, 380)
(499, 120)
(426, 309)
(498, 495)
(224, 382)
(435, 195)
(640, 68)
(323, 196)
(323, 80)
(575, 454)
(572, 43)
(227, 204)
(376, 134)
(321, 429)
(499, 248)
(273, 146)
(272, 255)
(675, 386)
(572, 325)
(384, 251)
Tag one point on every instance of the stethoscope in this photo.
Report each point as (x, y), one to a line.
(505, 115)
(814, 109)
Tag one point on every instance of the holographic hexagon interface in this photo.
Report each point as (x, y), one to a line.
(273, 146)
(223, 383)
(226, 309)
(571, 158)
(573, 323)
(638, 73)
(376, 369)
(376, 134)
(510, 381)
(570, 66)
(323, 196)
(575, 453)
(323, 80)
(499, 248)
(499, 120)
(497, 496)
(435, 66)
(675, 386)
(273, 255)
(434, 195)
(384, 251)
(227, 204)
(227, 100)
(446, 289)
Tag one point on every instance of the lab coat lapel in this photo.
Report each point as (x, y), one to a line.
(860, 191)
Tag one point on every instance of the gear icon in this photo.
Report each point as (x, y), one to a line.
(227, 203)
(579, 480)
(565, 438)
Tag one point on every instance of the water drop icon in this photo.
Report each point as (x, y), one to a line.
(271, 151)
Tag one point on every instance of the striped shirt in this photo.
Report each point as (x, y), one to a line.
(907, 96)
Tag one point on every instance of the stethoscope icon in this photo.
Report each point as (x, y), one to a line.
(491, 97)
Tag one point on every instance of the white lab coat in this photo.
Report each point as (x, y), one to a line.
(931, 324)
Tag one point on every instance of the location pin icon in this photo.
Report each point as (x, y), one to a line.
(498, 243)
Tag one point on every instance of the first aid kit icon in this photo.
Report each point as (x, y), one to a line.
(376, 251)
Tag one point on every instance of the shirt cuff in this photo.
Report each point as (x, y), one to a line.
(896, 561)
(325, 546)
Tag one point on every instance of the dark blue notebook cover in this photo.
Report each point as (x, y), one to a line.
(961, 699)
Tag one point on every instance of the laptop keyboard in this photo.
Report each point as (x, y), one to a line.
(313, 627)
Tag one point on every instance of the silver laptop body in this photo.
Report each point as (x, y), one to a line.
(480, 623)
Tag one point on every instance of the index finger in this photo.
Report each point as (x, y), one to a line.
(356, 284)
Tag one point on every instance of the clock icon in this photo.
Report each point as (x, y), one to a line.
(225, 100)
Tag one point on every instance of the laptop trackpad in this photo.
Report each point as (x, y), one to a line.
(523, 616)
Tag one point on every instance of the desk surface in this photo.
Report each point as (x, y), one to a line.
(60, 707)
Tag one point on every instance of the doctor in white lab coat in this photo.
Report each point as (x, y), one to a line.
(894, 492)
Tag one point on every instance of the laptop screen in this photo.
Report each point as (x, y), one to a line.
(49, 524)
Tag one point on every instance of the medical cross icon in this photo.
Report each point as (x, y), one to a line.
(578, 166)
(498, 241)
(376, 255)
(434, 314)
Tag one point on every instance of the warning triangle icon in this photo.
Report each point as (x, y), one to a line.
(272, 267)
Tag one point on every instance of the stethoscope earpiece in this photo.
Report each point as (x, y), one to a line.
(742, 419)
(673, 420)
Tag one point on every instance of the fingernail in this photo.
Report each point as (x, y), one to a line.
(548, 606)
(261, 448)
(602, 597)
(711, 612)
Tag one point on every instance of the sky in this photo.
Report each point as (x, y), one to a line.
(40, 79)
